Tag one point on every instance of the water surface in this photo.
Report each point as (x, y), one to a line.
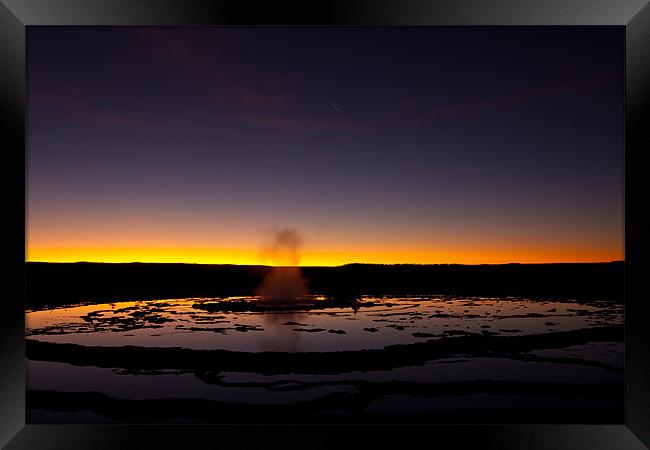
(557, 376)
(375, 322)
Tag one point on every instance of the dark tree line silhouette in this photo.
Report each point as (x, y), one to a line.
(67, 283)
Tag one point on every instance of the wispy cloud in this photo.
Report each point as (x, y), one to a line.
(414, 111)
(222, 98)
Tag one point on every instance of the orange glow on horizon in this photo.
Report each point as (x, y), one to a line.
(206, 255)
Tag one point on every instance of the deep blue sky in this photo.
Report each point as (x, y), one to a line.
(377, 144)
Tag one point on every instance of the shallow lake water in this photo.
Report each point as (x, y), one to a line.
(385, 321)
(560, 380)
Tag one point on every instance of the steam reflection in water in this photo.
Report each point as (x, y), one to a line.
(374, 322)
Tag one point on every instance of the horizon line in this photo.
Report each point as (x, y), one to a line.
(327, 265)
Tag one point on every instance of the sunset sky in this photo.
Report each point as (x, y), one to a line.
(386, 145)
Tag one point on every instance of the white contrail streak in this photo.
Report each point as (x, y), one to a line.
(333, 105)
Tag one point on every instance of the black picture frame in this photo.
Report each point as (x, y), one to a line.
(634, 15)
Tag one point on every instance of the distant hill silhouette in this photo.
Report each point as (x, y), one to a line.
(67, 283)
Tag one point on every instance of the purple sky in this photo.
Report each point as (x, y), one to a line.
(425, 141)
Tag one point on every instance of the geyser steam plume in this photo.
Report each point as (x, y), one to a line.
(284, 283)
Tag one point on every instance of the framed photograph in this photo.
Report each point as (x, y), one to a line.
(290, 224)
